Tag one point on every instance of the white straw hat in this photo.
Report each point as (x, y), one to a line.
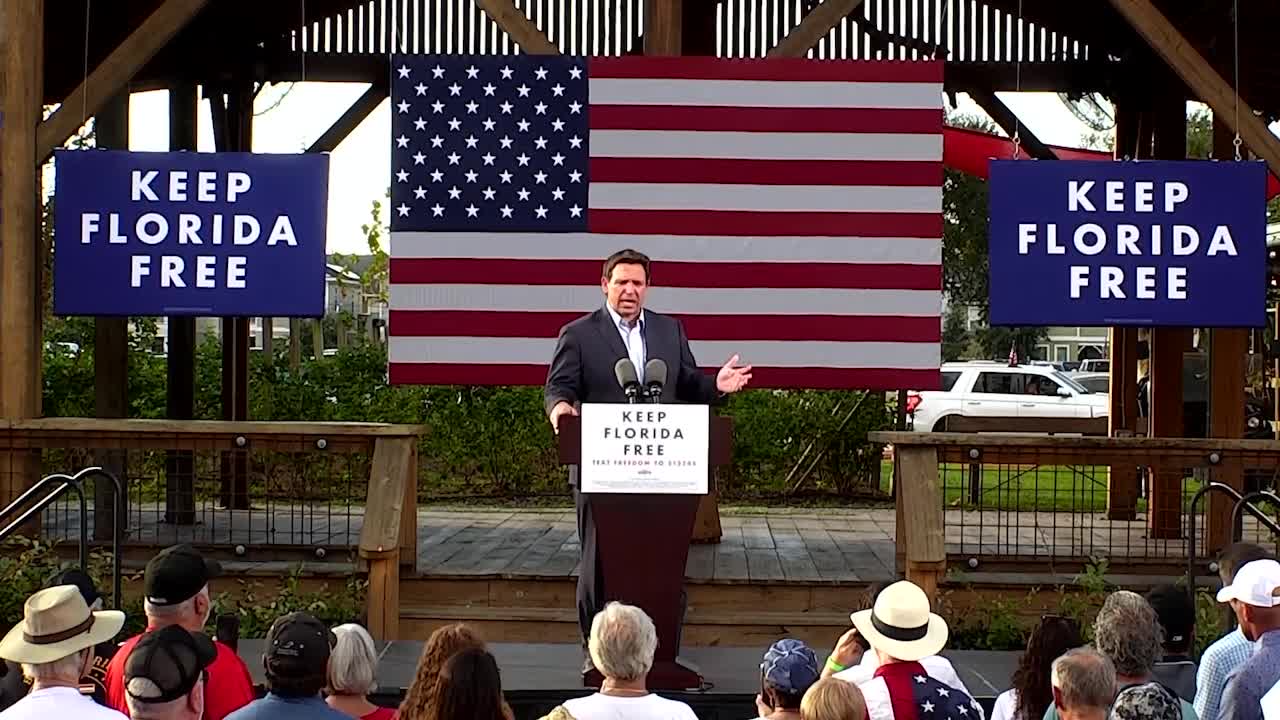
(56, 624)
(901, 624)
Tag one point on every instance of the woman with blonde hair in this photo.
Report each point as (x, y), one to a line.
(832, 699)
(353, 665)
(443, 644)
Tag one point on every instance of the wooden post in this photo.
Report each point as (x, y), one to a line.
(180, 395)
(664, 22)
(317, 338)
(409, 511)
(111, 345)
(1164, 505)
(1133, 140)
(22, 67)
(1227, 350)
(921, 501)
(381, 536)
(295, 344)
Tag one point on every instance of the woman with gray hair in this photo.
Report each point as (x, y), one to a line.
(353, 663)
(1128, 633)
(623, 640)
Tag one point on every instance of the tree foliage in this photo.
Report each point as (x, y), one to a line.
(955, 333)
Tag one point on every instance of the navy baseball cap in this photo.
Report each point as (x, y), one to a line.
(791, 666)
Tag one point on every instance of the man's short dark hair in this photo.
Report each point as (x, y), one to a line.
(1177, 614)
(626, 257)
(295, 687)
(1237, 556)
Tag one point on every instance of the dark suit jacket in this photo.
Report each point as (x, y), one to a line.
(582, 368)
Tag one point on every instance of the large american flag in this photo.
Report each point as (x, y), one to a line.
(792, 209)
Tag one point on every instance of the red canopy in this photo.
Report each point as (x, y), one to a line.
(970, 150)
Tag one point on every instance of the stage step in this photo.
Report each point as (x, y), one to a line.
(524, 609)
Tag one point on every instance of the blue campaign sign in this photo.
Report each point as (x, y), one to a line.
(182, 233)
(1154, 243)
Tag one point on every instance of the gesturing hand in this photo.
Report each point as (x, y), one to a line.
(730, 378)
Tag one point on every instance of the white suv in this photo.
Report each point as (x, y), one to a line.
(997, 390)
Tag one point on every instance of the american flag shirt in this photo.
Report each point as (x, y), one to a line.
(904, 691)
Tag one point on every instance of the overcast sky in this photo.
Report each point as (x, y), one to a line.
(290, 117)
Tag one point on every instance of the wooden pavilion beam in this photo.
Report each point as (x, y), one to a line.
(114, 72)
(351, 119)
(1008, 121)
(515, 23)
(814, 27)
(1201, 77)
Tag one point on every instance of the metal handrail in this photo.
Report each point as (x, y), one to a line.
(74, 483)
(1243, 502)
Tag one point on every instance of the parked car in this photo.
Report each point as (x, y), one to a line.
(1095, 365)
(1096, 382)
(995, 390)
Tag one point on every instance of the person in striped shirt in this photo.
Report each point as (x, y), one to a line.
(1230, 651)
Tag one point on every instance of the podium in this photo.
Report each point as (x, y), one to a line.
(642, 542)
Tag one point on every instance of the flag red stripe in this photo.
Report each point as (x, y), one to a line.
(766, 172)
(788, 69)
(790, 224)
(503, 271)
(734, 119)
(833, 328)
(819, 378)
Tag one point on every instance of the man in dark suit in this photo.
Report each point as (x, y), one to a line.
(582, 371)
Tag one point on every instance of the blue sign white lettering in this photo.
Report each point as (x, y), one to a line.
(216, 234)
(1150, 243)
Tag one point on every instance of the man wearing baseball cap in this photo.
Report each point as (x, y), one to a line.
(297, 663)
(789, 669)
(176, 589)
(165, 672)
(1254, 595)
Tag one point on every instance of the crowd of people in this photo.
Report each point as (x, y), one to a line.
(64, 660)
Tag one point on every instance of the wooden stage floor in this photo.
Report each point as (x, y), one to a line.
(778, 544)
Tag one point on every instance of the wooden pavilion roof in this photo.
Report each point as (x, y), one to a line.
(1077, 46)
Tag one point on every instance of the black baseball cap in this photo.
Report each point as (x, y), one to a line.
(176, 574)
(298, 645)
(173, 659)
(79, 578)
(1176, 612)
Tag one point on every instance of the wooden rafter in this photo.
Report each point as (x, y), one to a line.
(1201, 77)
(354, 115)
(109, 77)
(528, 36)
(1009, 122)
(814, 27)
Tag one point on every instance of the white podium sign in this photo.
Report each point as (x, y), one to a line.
(658, 449)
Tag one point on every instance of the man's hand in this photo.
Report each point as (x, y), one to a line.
(731, 378)
(847, 653)
(561, 408)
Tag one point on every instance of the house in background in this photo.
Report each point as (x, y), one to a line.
(345, 292)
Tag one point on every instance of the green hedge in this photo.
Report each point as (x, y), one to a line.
(487, 442)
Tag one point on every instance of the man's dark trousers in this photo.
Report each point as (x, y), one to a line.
(590, 578)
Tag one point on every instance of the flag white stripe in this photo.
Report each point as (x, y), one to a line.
(764, 93)
(727, 301)
(766, 145)
(670, 248)
(764, 198)
(771, 353)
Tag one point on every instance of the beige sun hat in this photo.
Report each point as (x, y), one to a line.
(901, 624)
(57, 623)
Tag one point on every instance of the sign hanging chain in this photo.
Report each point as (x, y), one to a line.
(1017, 121)
(84, 96)
(1235, 49)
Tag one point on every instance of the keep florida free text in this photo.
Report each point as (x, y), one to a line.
(191, 229)
(1166, 281)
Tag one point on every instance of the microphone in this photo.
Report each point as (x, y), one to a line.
(655, 376)
(625, 371)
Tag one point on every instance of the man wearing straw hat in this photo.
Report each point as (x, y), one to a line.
(902, 630)
(55, 645)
